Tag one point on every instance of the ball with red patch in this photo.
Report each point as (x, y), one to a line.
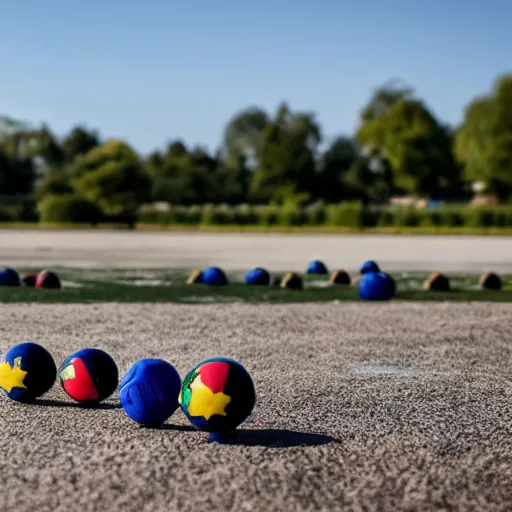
(89, 375)
(217, 395)
(49, 280)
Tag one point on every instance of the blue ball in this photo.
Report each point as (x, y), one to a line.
(369, 266)
(26, 372)
(376, 286)
(317, 267)
(9, 277)
(214, 276)
(149, 391)
(257, 277)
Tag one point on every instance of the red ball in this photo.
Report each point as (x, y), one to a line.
(48, 279)
(29, 279)
(89, 376)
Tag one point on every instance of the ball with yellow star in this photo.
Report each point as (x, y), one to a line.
(217, 395)
(27, 371)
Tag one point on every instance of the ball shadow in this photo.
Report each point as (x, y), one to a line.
(275, 438)
(48, 402)
(268, 438)
(170, 426)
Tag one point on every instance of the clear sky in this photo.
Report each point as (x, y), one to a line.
(155, 70)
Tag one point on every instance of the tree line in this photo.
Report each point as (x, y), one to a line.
(276, 158)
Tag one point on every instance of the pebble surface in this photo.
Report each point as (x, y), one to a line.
(398, 406)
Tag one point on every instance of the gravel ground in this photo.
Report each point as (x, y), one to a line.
(360, 407)
(277, 252)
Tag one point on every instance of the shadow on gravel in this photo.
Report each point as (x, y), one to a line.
(46, 402)
(276, 438)
(177, 428)
(269, 438)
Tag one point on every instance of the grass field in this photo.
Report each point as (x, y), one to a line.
(157, 285)
(238, 228)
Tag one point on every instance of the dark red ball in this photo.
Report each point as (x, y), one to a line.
(48, 279)
(29, 280)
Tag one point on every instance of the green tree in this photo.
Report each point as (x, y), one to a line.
(54, 183)
(19, 145)
(183, 177)
(52, 154)
(369, 180)
(383, 98)
(243, 136)
(165, 169)
(18, 172)
(335, 163)
(113, 150)
(153, 165)
(112, 175)
(483, 143)
(176, 149)
(408, 139)
(78, 142)
(232, 182)
(287, 165)
(201, 158)
(47, 148)
(371, 174)
(8, 126)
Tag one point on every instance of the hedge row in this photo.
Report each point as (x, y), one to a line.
(25, 211)
(72, 209)
(343, 215)
(350, 215)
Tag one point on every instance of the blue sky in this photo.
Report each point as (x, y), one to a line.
(155, 70)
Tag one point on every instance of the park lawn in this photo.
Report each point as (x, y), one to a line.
(96, 286)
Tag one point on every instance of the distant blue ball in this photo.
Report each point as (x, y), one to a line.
(149, 391)
(317, 267)
(376, 286)
(27, 371)
(9, 277)
(214, 276)
(257, 277)
(369, 266)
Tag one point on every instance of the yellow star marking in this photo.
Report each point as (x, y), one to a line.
(12, 377)
(204, 402)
